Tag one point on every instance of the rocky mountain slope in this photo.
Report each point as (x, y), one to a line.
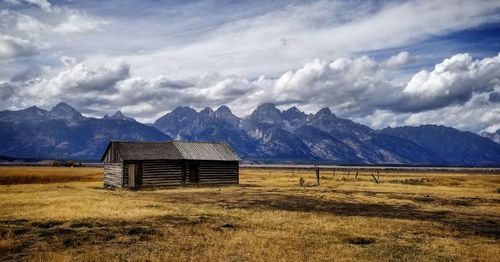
(495, 137)
(266, 135)
(64, 133)
(270, 135)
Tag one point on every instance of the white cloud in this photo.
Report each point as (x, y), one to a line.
(254, 46)
(402, 58)
(454, 80)
(42, 4)
(79, 23)
(30, 25)
(357, 88)
(68, 61)
(239, 59)
(79, 81)
(13, 47)
(349, 86)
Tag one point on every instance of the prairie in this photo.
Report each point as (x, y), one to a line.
(63, 214)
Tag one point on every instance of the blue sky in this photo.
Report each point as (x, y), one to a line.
(382, 63)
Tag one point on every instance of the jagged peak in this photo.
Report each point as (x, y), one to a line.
(180, 109)
(293, 109)
(207, 111)
(118, 116)
(266, 106)
(224, 113)
(325, 111)
(223, 109)
(35, 109)
(64, 111)
(293, 114)
(64, 106)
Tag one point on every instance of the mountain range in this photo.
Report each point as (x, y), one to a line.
(267, 135)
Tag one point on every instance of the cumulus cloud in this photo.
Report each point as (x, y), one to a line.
(13, 47)
(80, 80)
(402, 58)
(145, 98)
(452, 81)
(357, 88)
(353, 86)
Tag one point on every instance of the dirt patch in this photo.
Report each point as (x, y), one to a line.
(361, 241)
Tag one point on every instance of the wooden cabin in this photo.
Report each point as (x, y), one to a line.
(158, 164)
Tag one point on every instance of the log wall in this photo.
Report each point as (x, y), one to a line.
(219, 172)
(158, 173)
(113, 174)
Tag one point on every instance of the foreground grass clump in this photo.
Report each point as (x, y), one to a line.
(40, 175)
(268, 217)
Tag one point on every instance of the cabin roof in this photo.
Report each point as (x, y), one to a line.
(172, 150)
(206, 151)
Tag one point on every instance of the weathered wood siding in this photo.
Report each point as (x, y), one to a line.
(113, 174)
(219, 172)
(158, 173)
(112, 156)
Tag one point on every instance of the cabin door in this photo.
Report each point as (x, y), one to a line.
(194, 173)
(134, 175)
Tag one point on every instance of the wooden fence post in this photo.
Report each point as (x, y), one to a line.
(317, 173)
(374, 178)
(356, 177)
(334, 172)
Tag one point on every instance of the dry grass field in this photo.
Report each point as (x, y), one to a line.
(63, 214)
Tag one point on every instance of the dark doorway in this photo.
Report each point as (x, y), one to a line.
(193, 173)
(134, 175)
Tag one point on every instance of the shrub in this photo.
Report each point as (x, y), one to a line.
(302, 181)
(413, 181)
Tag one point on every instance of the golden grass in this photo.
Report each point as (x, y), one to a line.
(39, 175)
(268, 217)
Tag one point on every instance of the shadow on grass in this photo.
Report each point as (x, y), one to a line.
(466, 223)
(58, 235)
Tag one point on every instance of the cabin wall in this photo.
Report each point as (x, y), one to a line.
(113, 174)
(157, 173)
(112, 156)
(219, 172)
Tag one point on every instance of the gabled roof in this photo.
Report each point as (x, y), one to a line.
(172, 150)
